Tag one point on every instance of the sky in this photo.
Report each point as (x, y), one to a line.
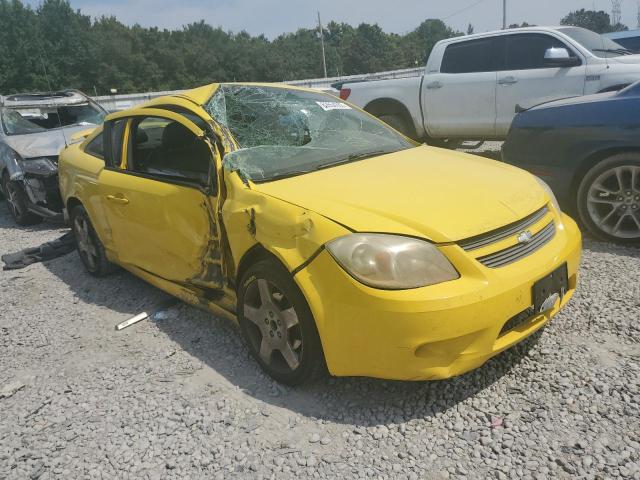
(273, 17)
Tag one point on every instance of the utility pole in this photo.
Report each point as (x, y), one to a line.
(504, 14)
(324, 60)
(639, 14)
(616, 12)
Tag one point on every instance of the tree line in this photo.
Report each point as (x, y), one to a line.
(54, 46)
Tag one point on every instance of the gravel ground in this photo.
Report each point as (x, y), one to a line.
(179, 397)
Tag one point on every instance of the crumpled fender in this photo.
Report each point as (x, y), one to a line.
(290, 232)
(9, 158)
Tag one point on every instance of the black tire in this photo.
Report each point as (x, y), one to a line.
(89, 246)
(273, 324)
(17, 203)
(397, 122)
(450, 143)
(616, 203)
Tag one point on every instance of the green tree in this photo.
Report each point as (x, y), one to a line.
(417, 45)
(597, 21)
(102, 53)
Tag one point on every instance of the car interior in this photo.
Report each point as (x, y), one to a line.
(168, 149)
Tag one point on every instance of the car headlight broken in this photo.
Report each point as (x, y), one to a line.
(392, 262)
(38, 166)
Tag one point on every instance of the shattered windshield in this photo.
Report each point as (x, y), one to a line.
(284, 132)
(24, 120)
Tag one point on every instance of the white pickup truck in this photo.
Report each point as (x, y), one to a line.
(472, 85)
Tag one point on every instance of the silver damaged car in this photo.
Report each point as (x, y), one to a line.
(34, 128)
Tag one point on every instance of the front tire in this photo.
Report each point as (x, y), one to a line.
(609, 199)
(17, 203)
(89, 246)
(277, 324)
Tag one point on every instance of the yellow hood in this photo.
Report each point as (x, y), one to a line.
(424, 191)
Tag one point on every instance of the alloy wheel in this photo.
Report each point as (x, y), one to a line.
(85, 243)
(276, 333)
(613, 202)
(12, 199)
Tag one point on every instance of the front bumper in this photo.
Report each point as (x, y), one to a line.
(433, 332)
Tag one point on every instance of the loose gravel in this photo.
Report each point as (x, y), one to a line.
(179, 397)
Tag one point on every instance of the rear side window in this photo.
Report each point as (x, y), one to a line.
(468, 57)
(96, 147)
(526, 51)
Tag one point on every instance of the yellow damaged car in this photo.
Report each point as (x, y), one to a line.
(335, 241)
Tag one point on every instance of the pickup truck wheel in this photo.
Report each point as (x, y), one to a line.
(397, 123)
(89, 246)
(17, 203)
(277, 324)
(609, 199)
(449, 143)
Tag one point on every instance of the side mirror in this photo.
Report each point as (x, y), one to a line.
(560, 57)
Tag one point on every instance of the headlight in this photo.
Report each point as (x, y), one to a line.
(547, 189)
(38, 166)
(391, 262)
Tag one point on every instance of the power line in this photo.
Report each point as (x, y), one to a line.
(462, 10)
(616, 12)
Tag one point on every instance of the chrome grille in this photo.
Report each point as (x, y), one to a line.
(493, 236)
(516, 252)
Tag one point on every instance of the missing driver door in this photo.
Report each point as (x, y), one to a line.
(163, 203)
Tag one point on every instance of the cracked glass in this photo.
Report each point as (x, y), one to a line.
(284, 132)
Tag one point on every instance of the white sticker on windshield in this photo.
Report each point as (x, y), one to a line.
(326, 106)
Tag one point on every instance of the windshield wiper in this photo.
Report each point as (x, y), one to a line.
(351, 158)
(621, 51)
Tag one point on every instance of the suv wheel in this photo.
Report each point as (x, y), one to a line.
(609, 199)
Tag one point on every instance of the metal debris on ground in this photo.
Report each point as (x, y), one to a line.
(161, 308)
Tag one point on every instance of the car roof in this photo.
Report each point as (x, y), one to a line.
(507, 31)
(625, 34)
(201, 95)
(43, 99)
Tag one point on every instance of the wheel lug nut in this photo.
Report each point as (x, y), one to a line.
(279, 335)
(628, 192)
(271, 333)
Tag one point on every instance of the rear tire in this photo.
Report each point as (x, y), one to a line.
(449, 143)
(89, 246)
(277, 324)
(608, 199)
(17, 203)
(397, 123)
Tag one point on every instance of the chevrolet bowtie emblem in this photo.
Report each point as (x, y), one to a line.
(525, 237)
